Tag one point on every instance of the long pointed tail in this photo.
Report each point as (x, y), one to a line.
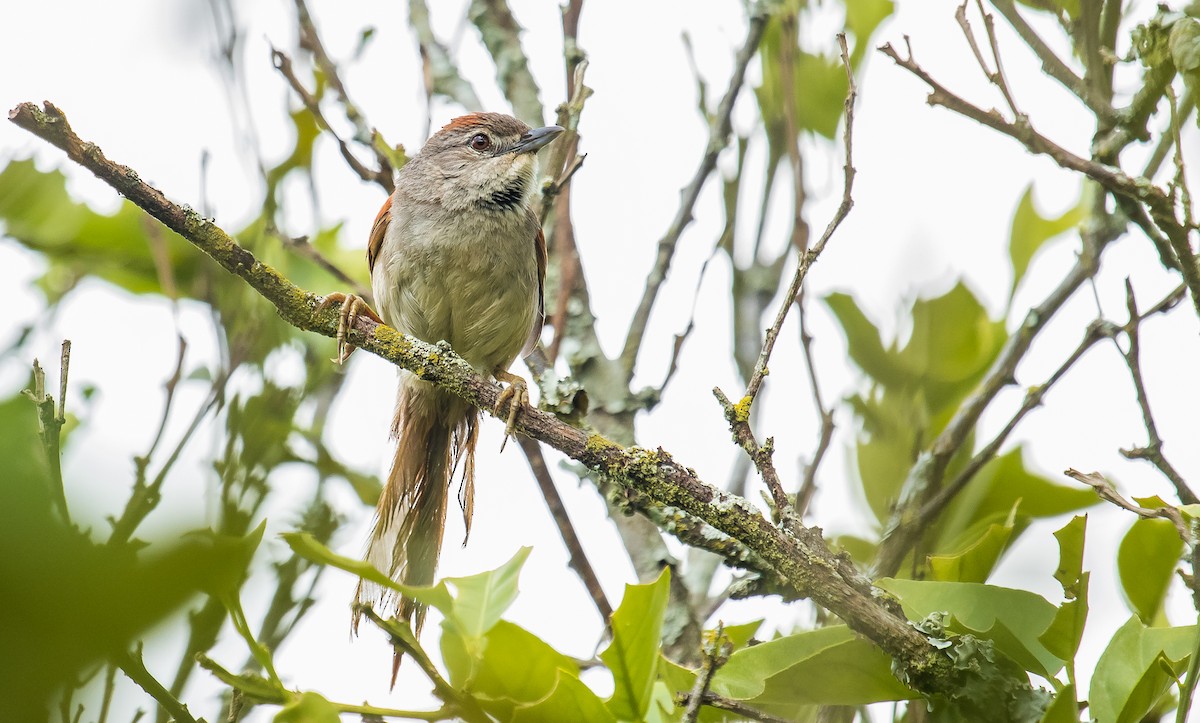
(436, 430)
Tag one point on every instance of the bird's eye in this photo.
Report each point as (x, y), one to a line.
(480, 142)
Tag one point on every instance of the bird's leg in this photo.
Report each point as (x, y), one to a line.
(516, 394)
(352, 307)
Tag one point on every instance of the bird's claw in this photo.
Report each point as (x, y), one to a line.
(352, 307)
(516, 395)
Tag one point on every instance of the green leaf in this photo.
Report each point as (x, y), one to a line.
(481, 599)
(514, 667)
(1146, 561)
(826, 666)
(1070, 554)
(740, 635)
(952, 345)
(571, 700)
(1030, 231)
(1063, 636)
(976, 561)
(1139, 665)
(863, 341)
(308, 707)
(1064, 709)
(76, 241)
(862, 18)
(632, 656)
(1012, 619)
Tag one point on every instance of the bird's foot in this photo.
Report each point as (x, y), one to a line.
(516, 395)
(352, 307)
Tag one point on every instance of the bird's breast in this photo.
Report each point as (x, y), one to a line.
(468, 278)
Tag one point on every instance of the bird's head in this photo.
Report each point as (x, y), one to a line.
(482, 160)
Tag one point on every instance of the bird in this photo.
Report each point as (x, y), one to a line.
(456, 254)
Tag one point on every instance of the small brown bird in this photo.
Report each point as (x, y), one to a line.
(456, 254)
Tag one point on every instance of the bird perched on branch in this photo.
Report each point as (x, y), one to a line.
(456, 254)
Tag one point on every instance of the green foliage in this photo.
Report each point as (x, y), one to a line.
(1146, 563)
(1030, 232)
(70, 602)
(827, 666)
(633, 654)
(1137, 669)
(1011, 619)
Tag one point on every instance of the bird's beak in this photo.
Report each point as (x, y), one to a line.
(535, 139)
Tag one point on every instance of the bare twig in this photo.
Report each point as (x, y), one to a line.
(809, 257)
(381, 176)
(996, 77)
(1033, 399)
(736, 707)
(301, 245)
(808, 485)
(717, 648)
(51, 419)
(310, 40)
(717, 139)
(1152, 451)
(1052, 65)
(1108, 492)
(738, 416)
(577, 558)
(1158, 202)
(1166, 141)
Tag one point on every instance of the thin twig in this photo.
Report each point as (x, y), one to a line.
(302, 246)
(736, 707)
(808, 258)
(1052, 65)
(717, 649)
(808, 485)
(1108, 492)
(738, 416)
(51, 419)
(718, 138)
(577, 558)
(1033, 399)
(132, 666)
(1158, 202)
(996, 77)
(1152, 451)
(1166, 141)
(381, 176)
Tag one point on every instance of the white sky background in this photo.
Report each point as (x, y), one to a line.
(934, 198)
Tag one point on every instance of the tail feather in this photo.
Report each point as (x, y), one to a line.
(436, 432)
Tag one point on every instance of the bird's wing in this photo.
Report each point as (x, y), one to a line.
(375, 242)
(539, 252)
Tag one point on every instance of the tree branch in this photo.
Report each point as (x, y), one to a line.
(801, 562)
